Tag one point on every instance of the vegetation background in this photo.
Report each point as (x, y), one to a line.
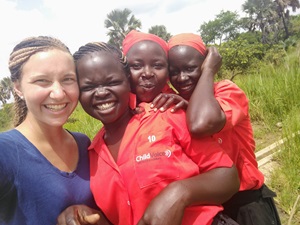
(261, 53)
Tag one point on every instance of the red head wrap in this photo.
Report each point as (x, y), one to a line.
(135, 36)
(188, 39)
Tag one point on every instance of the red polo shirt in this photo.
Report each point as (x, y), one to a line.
(237, 135)
(156, 150)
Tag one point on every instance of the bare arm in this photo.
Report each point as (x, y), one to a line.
(213, 187)
(204, 114)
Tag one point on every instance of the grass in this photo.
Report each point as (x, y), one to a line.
(275, 99)
(81, 122)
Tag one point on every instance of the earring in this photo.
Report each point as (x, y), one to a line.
(21, 97)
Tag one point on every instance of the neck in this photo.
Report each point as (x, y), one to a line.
(35, 131)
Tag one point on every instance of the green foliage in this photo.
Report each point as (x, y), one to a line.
(6, 89)
(286, 179)
(6, 115)
(160, 31)
(275, 55)
(239, 55)
(80, 121)
(294, 26)
(224, 27)
(120, 23)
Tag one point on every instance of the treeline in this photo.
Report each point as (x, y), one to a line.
(263, 35)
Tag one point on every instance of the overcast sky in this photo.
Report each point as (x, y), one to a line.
(77, 22)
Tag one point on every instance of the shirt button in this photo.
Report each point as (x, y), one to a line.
(128, 202)
(220, 140)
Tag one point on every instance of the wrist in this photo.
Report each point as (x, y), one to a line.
(180, 192)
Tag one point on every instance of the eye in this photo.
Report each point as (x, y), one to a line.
(174, 72)
(115, 83)
(42, 82)
(86, 88)
(135, 66)
(69, 80)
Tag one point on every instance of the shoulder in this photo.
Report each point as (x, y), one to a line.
(226, 83)
(81, 139)
(10, 137)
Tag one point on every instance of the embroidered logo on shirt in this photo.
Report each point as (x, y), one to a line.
(153, 156)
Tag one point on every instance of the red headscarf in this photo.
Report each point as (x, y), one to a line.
(136, 36)
(188, 39)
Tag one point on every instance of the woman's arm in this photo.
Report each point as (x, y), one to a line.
(210, 188)
(204, 114)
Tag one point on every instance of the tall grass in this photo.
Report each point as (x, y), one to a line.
(274, 94)
(80, 121)
(273, 91)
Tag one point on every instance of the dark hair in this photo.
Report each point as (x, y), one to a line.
(19, 56)
(102, 46)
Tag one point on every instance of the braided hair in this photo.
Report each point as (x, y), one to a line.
(102, 46)
(19, 56)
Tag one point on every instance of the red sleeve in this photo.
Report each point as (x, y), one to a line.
(233, 102)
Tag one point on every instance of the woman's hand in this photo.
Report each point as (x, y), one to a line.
(80, 215)
(164, 101)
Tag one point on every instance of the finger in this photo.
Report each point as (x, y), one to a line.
(156, 100)
(92, 219)
(168, 103)
(180, 105)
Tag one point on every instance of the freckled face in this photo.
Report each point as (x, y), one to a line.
(185, 69)
(49, 87)
(149, 69)
(104, 86)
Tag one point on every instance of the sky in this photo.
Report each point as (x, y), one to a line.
(77, 22)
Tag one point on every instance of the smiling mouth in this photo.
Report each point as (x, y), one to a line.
(56, 108)
(186, 88)
(105, 106)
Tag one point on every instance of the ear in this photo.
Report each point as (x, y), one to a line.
(18, 89)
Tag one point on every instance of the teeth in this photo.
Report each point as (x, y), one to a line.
(56, 107)
(105, 106)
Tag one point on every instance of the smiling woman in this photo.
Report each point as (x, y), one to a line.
(40, 162)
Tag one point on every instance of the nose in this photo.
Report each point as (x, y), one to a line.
(101, 92)
(147, 72)
(182, 77)
(57, 91)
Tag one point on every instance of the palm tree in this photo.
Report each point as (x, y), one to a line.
(283, 12)
(120, 23)
(263, 16)
(6, 89)
(161, 31)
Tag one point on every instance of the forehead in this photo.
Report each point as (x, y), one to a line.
(52, 59)
(183, 49)
(100, 65)
(146, 46)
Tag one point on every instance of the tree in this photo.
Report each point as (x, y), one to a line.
(283, 12)
(6, 89)
(120, 23)
(161, 31)
(262, 16)
(239, 55)
(225, 27)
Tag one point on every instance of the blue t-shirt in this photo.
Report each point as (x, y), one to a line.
(32, 190)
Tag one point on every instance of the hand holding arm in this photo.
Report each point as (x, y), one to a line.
(164, 101)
